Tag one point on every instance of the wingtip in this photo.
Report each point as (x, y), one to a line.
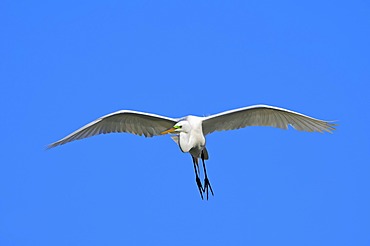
(52, 145)
(332, 126)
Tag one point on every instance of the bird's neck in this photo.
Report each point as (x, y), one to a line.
(191, 140)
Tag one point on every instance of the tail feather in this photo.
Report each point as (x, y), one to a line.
(205, 153)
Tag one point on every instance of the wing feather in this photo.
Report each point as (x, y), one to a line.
(263, 115)
(138, 123)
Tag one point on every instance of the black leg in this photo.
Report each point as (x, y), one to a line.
(207, 184)
(197, 180)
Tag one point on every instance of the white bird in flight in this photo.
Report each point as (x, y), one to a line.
(189, 132)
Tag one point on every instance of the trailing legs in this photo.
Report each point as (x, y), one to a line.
(207, 184)
(197, 180)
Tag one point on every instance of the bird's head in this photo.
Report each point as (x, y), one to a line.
(181, 126)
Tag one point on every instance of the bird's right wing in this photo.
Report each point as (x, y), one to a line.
(263, 115)
(138, 123)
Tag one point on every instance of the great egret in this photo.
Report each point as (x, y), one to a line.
(189, 132)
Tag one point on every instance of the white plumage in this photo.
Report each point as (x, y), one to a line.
(191, 130)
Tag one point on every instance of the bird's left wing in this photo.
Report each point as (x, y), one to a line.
(263, 115)
(138, 123)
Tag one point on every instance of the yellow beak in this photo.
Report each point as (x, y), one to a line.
(168, 131)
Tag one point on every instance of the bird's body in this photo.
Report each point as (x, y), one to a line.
(193, 140)
(190, 131)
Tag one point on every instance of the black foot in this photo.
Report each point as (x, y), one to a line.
(207, 185)
(200, 187)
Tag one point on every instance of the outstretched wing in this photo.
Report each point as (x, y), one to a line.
(138, 123)
(263, 115)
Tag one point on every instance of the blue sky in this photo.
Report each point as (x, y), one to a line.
(64, 64)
